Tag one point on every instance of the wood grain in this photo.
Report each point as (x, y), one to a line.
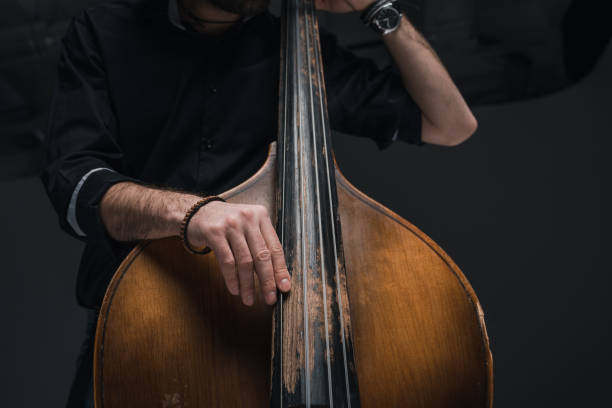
(417, 323)
(170, 335)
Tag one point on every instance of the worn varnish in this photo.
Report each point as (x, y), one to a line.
(313, 362)
(170, 331)
(378, 314)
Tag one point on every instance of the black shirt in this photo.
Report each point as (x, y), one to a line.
(139, 99)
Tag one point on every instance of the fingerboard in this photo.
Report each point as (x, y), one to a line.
(312, 363)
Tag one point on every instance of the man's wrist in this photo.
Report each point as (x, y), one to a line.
(176, 209)
(382, 16)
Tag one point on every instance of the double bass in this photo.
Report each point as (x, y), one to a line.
(378, 314)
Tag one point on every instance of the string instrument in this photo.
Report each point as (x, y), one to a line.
(378, 314)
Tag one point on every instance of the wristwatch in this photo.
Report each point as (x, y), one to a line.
(383, 16)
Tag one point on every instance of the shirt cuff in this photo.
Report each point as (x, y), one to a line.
(410, 131)
(404, 127)
(83, 213)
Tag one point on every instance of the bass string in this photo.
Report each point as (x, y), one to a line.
(327, 150)
(302, 216)
(282, 144)
(309, 17)
(311, 43)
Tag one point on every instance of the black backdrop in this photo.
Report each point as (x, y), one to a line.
(521, 207)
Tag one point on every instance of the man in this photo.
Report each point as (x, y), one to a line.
(160, 102)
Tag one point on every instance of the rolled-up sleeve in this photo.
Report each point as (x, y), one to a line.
(367, 101)
(83, 156)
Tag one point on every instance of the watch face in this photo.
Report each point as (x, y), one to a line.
(387, 19)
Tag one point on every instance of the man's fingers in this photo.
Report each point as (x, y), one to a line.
(227, 264)
(263, 263)
(244, 265)
(245, 241)
(281, 274)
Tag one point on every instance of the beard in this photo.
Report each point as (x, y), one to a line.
(244, 8)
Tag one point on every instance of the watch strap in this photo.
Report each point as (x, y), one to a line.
(369, 14)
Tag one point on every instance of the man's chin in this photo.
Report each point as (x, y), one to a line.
(245, 8)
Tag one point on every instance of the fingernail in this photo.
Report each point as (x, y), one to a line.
(249, 300)
(284, 284)
(271, 297)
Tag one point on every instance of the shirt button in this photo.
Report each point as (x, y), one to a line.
(213, 90)
(208, 144)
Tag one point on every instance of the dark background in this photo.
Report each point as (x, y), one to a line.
(521, 206)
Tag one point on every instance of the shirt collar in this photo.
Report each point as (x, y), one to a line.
(174, 15)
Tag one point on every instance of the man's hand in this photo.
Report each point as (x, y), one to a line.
(242, 237)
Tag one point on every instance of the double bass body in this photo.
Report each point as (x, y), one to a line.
(170, 335)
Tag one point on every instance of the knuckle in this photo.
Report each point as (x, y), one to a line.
(282, 272)
(232, 222)
(268, 283)
(247, 212)
(227, 261)
(213, 230)
(263, 255)
(261, 209)
(276, 249)
(245, 263)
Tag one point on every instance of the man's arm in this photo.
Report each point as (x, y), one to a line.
(242, 236)
(82, 176)
(446, 118)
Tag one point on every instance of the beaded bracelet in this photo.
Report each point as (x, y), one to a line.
(185, 223)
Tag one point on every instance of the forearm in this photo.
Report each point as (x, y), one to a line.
(134, 212)
(241, 235)
(447, 119)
